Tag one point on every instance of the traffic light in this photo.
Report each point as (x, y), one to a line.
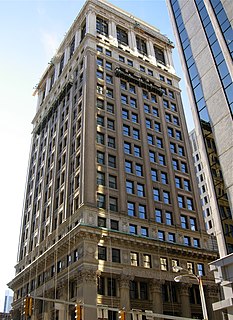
(30, 306)
(26, 306)
(78, 312)
(122, 315)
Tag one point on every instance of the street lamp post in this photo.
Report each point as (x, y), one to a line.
(201, 290)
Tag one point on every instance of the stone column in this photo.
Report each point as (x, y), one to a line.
(124, 292)
(62, 295)
(87, 293)
(90, 22)
(184, 300)
(112, 31)
(156, 293)
(212, 295)
(150, 50)
(132, 40)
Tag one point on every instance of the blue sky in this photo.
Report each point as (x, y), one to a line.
(30, 33)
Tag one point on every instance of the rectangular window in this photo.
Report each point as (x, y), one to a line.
(146, 261)
(180, 201)
(152, 156)
(187, 241)
(137, 151)
(178, 182)
(102, 253)
(162, 160)
(111, 286)
(100, 157)
(172, 147)
(108, 65)
(161, 235)
(101, 201)
(193, 225)
(138, 170)
(133, 290)
(169, 220)
(110, 107)
(141, 45)
(100, 178)
(134, 261)
(112, 161)
(171, 237)
(140, 190)
(128, 166)
(122, 36)
(111, 142)
(101, 26)
(163, 264)
(133, 103)
(196, 243)
(132, 88)
(187, 186)
(181, 151)
(183, 220)
(131, 209)
(112, 182)
(144, 232)
(158, 215)
(154, 175)
(175, 164)
(125, 114)
(124, 99)
(164, 179)
(146, 108)
(134, 118)
(127, 147)
(126, 130)
(136, 134)
(156, 194)
(116, 255)
(109, 79)
(108, 53)
(100, 286)
(110, 124)
(132, 229)
(200, 269)
(166, 197)
(150, 139)
(101, 222)
(155, 112)
(190, 204)
(159, 55)
(114, 225)
(142, 211)
(129, 187)
(113, 204)
(100, 121)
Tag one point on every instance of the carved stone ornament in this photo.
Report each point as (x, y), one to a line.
(124, 280)
(156, 285)
(88, 276)
(184, 288)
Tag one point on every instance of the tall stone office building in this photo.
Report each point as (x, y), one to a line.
(203, 29)
(111, 204)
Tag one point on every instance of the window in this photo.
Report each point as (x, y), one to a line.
(169, 81)
(109, 79)
(187, 241)
(163, 264)
(162, 160)
(100, 157)
(100, 286)
(145, 94)
(166, 197)
(125, 114)
(200, 269)
(158, 216)
(161, 235)
(164, 179)
(144, 231)
(146, 108)
(175, 164)
(113, 204)
(168, 117)
(180, 201)
(171, 237)
(142, 69)
(132, 88)
(193, 225)
(187, 186)
(101, 26)
(141, 45)
(136, 134)
(138, 169)
(133, 103)
(61, 64)
(172, 147)
(155, 112)
(116, 255)
(102, 253)
(110, 107)
(108, 53)
(129, 187)
(173, 107)
(111, 286)
(131, 209)
(162, 78)
(99, 49)
(130, 63)
(100, 89)
(126, 130)
(178, 135)
(100, 121)
(150, 139)
(101, 222)
(152, 156)
(137, 151)
(190, 267)
(109, 93)
(140, 190)
(134, 118)
(132, 229)
(112, 161)
(181, 150)
(170, 134)
(154, 175)
(121, 59)
(169, 220)
(124, 99)
(99, 74)
(159, 55)
(146, 260)
(110, 124)
(178, 182)
(127, 147)
(100, 178)
(175, 263)
(165, 104)
(156, 194)
(111, 142)
(122, 36)
(142, 211)
(157, 127)
(100, 62)
(143, 290)
(128, 166)
(175, 120)
(114, 225)
(150, 72)
(183, 220)
(196, 243)
(123, 85)
(190, 204)
(153, 98)
(133, 290)
(112, 182)
(134, 261)
(171, 94)
(101, 201)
